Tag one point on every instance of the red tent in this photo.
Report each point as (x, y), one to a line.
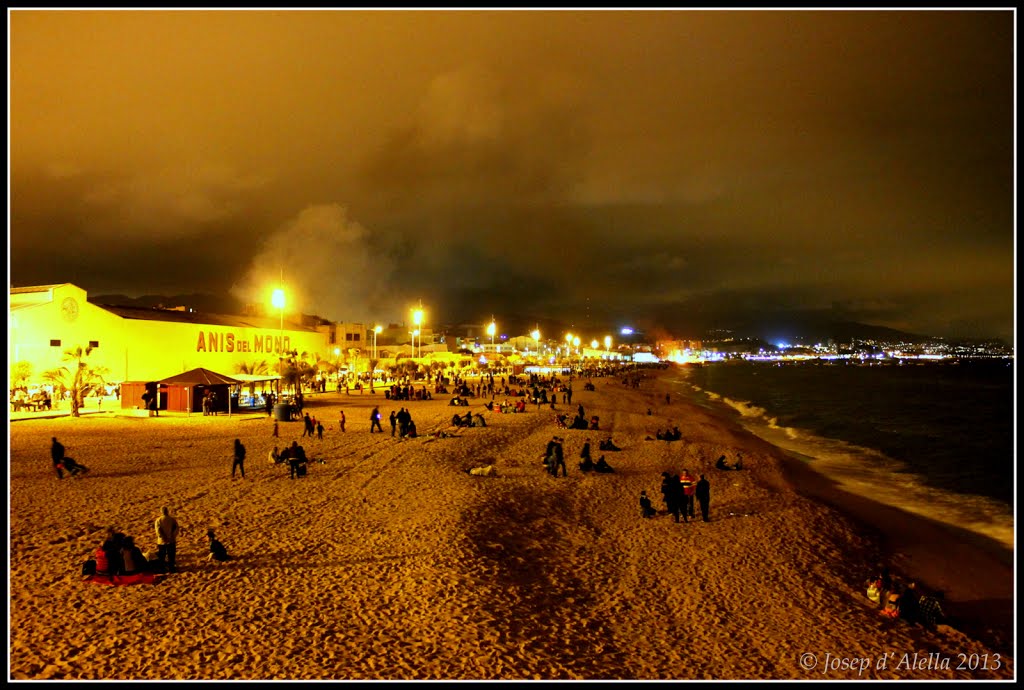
(185, 391)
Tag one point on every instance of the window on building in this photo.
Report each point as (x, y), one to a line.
(348, 336)
(355, 336)
(54, 343)
(94, 343)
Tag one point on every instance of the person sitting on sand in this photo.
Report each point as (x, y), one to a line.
(930, 610)
(720, 464)
(586, 465)
(646, 509)
(274, 456)
(607, 444)
(603, 466)
(218, 551)
(131, 556)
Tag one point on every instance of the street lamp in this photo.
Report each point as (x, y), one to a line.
(337, 368)
(490, 331)
(417, 318)
(376, 330)
(277, 299)
(536, 339)
(608, 344)
(568, 344)
(576, 342)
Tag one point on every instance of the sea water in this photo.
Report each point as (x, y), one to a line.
(936, 439)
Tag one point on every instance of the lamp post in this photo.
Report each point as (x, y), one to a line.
(491, 328)
(568, 345)
(536, 340)
(337, 367)
(376, 330)
(417, 318)
(277, 299)
(608, 344)
(576, 342)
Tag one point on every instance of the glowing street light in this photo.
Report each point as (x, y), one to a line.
(490, 331)
(568, 343)
(277, 299)
(376, 330)
(417, 318)
(536, 339)
(608, 343)
(576, 342)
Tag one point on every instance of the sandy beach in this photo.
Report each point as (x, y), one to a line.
(390, 562)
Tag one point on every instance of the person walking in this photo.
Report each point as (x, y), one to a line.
(320, 430)
(307, 426)
(275, 429)
(167, 531)
(375, 420)
(341, 421)
(559, 460)
(704, 497)
(57, 454)
(239, 460)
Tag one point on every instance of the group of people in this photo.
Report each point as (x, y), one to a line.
(311, 426)
(680, 492)
(294, 456)
(62, 462)
(403, 423)
(904, 601)
(721, 464)
(468, 420)
(673, 434)
(119, 554)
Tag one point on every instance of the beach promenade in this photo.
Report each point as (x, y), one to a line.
(390, 562)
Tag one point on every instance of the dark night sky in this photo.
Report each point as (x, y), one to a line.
(662, 168)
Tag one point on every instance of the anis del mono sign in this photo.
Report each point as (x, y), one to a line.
(214, 341)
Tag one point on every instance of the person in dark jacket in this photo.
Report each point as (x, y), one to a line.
(57, 454)
(646, 509)
(218, 551)
(704, 497)
(239, 460)
(131, 556)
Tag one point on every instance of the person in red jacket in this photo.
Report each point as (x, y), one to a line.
(689, 485)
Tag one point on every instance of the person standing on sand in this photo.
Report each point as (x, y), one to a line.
(704, 497)
(320, 430)
(57, 455)
(275, 429)
(341, 421)
(239, 460)
(393, 418)
(167, 531)
(689, 486)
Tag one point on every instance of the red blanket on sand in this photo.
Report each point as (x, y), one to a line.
(135, 579)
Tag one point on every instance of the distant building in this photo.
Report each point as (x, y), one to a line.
(142, 344)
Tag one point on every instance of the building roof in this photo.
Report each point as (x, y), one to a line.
(178, 316)
(35, 288)
(199, 377)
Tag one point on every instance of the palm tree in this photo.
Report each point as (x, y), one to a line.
(253, 369)
(21, 372)
(77, 376)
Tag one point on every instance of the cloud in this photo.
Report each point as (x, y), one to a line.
(329, 265)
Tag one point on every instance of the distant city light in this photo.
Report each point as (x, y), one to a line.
(626, 330)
